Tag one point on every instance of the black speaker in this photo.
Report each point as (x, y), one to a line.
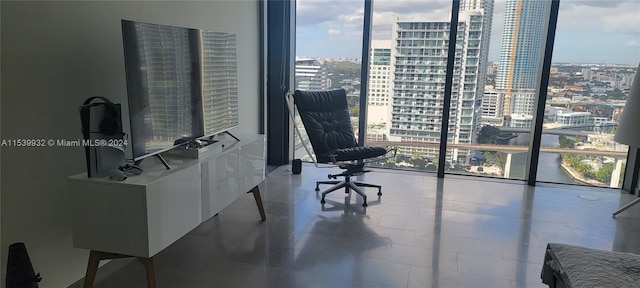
(296, 166)
(20, 273)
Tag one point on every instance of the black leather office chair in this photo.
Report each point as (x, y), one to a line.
(325, 116)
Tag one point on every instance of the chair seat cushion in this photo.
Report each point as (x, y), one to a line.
(352, 153)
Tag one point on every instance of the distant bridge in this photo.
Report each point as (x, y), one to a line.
(546, 131)
(503, 148)
(585, 103)
(563, 130)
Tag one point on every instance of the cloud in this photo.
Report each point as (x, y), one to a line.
(587, 16)
(334, 32)
(322, 12)
(595, 3)
(632, 44)
(589, 20)
(351, 12)
(386, 12)
(411, 6)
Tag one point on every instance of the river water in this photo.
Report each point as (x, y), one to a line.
(549, 169)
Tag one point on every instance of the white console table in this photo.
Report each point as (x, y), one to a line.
(144, 214)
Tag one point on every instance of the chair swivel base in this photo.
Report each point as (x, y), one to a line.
(348, 185)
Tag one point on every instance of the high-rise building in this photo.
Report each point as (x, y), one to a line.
(523, 39)
(311, 75)
(379, 91)
(491, 107)
(485, 7)
(419, 58)
(380, 73)
(586, 74)
(492, 68)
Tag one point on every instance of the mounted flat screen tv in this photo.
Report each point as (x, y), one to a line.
(181, 85)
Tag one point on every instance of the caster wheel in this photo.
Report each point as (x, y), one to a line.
(329, 176)
(322, 201)
(317, 188)
(379, 193)
(364, 204)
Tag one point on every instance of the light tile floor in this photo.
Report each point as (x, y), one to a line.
(423, 232)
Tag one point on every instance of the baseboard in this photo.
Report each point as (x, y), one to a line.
(104, 271)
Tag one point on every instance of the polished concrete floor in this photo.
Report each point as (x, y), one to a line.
(423, 232)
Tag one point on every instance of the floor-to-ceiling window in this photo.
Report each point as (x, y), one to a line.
(497, 69)
(406, 85)
(596, 52)
(498, 52)
(502, 45)
(329, 52)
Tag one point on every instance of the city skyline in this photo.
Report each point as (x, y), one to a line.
(605, 31)
(405, 107)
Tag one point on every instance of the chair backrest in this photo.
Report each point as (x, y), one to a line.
(325, 116)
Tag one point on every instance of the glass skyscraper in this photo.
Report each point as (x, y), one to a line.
(525, 24)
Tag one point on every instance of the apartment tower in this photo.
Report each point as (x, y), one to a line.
(379, 91)
(310, 74)
(419, 60)
(523, 39)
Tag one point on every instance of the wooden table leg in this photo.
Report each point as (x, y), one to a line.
(256, 195)
(150, 268)
(92, 268)
(96, 256)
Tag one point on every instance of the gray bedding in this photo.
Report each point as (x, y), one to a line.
(581, 267)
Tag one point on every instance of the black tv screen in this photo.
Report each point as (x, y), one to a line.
(181, 85)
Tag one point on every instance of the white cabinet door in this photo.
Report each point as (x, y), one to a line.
(173, 207)
(252, 165)
(219, 183)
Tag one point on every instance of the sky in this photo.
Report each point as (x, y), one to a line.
(588, 31)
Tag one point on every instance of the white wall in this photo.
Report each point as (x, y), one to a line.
(55, 55)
